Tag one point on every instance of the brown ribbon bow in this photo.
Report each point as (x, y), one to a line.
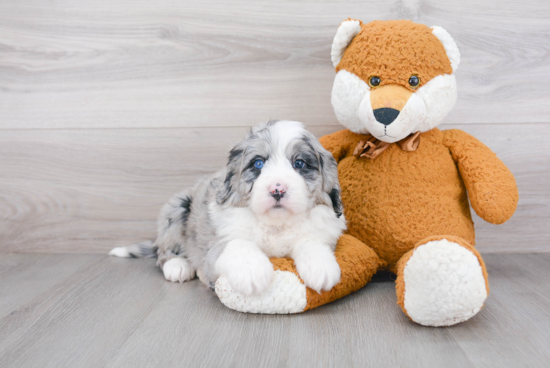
(372, 147)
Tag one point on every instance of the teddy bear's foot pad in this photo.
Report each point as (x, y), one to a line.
(444, 284)
(286, 294)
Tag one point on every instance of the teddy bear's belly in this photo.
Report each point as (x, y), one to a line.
(400, 198)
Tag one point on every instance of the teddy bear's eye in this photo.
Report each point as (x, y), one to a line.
(414, 81)
(374, 81)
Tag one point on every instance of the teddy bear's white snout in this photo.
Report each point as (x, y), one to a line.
(351, 98)
(424, 109)
(388, 124)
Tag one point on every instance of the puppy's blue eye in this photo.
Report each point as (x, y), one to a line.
(259, 164)
(299, 164)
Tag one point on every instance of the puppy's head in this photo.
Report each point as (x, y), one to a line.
(393, 78)
(280, 169)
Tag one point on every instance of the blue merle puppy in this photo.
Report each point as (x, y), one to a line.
(278, 196)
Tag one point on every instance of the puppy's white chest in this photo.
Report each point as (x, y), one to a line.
(276, 241)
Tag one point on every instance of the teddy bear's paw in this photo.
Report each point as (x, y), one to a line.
(444, 284)
(286, 294)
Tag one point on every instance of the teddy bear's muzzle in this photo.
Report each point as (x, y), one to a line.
(388, 101)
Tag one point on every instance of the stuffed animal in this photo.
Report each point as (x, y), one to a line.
(406, 185)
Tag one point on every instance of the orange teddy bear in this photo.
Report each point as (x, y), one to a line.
(405, 183)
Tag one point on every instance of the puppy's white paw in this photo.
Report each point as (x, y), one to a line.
(250, 276)
(318, 269)
(248, 270)
(178, 270)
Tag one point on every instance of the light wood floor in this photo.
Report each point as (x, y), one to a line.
(95, 311)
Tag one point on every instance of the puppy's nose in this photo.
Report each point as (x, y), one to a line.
(386, 115)
(277, 191)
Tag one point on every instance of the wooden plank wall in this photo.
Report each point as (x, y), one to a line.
(109, 106)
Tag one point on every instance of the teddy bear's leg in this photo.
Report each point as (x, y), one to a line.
(441, 282)
(287, 292)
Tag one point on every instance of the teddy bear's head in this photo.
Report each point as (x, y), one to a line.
(393, 78)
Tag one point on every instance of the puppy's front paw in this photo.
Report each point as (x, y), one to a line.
(250, 277)
(178, 270)
(319, 270)
(248, 270)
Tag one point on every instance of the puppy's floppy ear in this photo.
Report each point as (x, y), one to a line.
(329, 172)
(226, 191)
(331, 185)
(346, 31)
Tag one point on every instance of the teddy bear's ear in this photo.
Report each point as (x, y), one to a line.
(347, 30)
(449, 44)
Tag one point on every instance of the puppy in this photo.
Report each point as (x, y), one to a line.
(279, 196)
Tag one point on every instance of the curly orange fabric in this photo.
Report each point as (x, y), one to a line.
(491, 186)
(393, 51)
(401, 197)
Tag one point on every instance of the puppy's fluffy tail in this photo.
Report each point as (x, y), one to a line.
(146, 249)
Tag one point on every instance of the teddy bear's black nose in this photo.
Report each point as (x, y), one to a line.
(386, 115)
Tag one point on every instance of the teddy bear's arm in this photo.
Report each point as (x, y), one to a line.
(491, 186)
(338, 143)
